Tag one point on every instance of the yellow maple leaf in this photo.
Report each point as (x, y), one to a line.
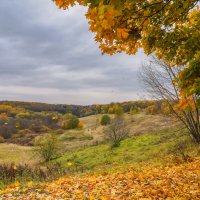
(122, 33)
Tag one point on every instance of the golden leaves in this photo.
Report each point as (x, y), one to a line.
(185, 102)
(122, 33)
(64, 4)
(174, 38)
(177, 182)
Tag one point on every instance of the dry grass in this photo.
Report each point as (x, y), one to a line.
(19, 154)
(143, 123)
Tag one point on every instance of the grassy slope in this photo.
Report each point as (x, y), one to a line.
(153, 148)
(138, 124)
(148, 151)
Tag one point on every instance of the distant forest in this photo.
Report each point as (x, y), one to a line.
(82, 111)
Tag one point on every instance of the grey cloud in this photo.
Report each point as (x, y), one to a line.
(44, 47)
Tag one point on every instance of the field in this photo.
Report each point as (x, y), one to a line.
(18, 154)
(91, 134)
(88, 163)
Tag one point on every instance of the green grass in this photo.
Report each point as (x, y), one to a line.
(151, 148)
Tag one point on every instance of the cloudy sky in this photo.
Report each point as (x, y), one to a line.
(48, 55)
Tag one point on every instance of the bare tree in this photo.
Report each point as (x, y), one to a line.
(117, 131)
(160, 82)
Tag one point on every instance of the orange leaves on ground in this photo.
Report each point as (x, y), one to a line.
(178, 182)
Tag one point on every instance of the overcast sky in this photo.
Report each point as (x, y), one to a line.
(49, 55)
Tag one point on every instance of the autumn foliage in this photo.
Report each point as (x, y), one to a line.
(127, 25)
(177, 182)
(80, 125)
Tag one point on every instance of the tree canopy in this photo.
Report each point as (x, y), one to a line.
(168, 28)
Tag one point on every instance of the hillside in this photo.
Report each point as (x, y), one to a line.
(149, 162)
(158, 160)
(22, 122)
(90, 134)
(157, 148)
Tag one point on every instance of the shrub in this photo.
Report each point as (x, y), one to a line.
(180, 151)
(12, 173)
(133, 111)
(116, 132)
(73, 122)
(119, 110)
(166, 110)
(48, 146)
(152, 110)
(2, 140)
(24, 115)
(80, 125)
(105, 120)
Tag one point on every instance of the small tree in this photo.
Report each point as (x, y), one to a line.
(73, 122)
(117, 131)
(48, 147)
(152, 109)
(118, 110)
(80, 125)
(105, 120)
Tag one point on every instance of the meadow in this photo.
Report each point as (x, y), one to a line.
(91, 134)
(155, 142)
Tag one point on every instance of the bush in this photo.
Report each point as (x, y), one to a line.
(116, 132)
(12, 173)
(105, 120)
(73, 122)
(48, 146)
(180, 151)
(119, 111)
(80, 125)
(152, 110)
(2, 140)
